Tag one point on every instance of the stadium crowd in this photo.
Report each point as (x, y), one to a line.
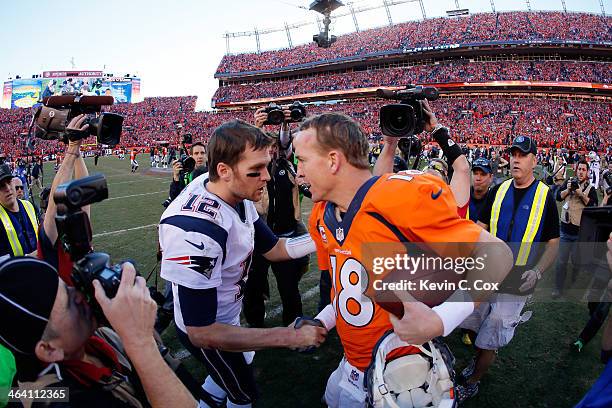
(459, 71)
(477, 28)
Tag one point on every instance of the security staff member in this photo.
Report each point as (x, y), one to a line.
(521, 211)
(18, 223)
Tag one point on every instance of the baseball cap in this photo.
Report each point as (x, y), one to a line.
(482, 164)
(28, 288)
(524, 144)
(5, 172)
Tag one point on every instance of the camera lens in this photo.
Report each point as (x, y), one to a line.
(397, 120)
(276, 117)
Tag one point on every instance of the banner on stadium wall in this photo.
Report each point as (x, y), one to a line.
(136, 90)
(66, 74)
(7, 91)
(26, 93)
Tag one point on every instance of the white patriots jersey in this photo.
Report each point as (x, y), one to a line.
(205, 244)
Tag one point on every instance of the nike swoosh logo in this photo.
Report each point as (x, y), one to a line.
(200, 247)
(433, 196)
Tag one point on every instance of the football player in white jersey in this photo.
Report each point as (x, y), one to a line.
(594, 168)
(207, 237)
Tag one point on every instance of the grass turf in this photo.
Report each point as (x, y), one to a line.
(537, 369)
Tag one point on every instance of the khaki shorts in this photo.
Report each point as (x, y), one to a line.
(495, 321)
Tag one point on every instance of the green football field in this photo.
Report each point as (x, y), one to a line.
(537, 369)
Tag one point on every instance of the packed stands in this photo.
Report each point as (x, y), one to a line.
(477, 28)
(553, 123)
(458, 71)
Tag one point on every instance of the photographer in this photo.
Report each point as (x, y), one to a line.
(50, 249)
(282, 212)
(606, 184)
(576, 194)
(459, 180)
(51, 330)
(181, 178)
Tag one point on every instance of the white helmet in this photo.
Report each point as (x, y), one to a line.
(592, 155)
(424, 379)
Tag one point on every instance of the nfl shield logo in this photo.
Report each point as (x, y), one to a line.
(340, 234)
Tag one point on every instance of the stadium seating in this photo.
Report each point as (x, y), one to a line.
(450, 72)
(477, 28)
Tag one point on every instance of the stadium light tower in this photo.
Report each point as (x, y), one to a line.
(603, 10)
(325, 7)
(386, 4)
(493, 5)
(564, 6)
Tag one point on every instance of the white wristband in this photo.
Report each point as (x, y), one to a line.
(327, 316)
(300, 246)
(453, 314)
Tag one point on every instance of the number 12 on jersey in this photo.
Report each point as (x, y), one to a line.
(350, 300)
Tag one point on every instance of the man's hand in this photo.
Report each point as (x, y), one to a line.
(131, 312)
(76, 127)
(431, 122)
(308, 336)
(260, 117)
(530, 278)
(176, 169)
(419, 324)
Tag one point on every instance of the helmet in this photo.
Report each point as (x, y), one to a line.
(417, 380)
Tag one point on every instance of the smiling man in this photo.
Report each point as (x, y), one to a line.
(207, 237)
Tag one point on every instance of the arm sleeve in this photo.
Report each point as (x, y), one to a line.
(198, 306)
(193, 251)
(485, 213)
(559, 190)
(593, 200)
(175, 188)
(264, 237)
(322, 254)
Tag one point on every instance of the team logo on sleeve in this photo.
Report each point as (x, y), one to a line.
(322, 232)
(200, 264)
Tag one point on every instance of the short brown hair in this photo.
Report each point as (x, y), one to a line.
(230, 140)
(195, 145)
(338, 131)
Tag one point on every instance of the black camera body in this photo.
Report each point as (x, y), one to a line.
(276, 115)
(573, 184)
(52, 117)
(96, 265)
(407, 117)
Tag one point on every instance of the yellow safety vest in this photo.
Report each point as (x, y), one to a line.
(533, 222)
(10, 230)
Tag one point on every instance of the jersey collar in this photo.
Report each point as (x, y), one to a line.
(340, 229)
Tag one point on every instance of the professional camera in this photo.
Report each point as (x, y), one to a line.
(75, 234)
(573, 184)
(187, 138)
(276, 116)
(52, 117)
(410, 146)
(407, 117)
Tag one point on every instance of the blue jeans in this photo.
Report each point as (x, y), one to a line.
(567, 247)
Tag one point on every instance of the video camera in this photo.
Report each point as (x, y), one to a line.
(74, 231)
(407, 117)
(276, 115)
(52, 117)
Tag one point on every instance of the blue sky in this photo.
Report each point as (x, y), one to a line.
(175, 46)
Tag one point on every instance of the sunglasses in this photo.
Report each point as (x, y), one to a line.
(18, 187)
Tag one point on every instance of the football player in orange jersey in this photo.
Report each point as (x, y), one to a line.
(354, 208)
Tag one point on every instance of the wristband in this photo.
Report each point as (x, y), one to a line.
(327, 316)
(450, 149)
(300, 246)
(453, 314)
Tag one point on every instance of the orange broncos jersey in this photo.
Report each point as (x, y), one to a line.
(406, 207)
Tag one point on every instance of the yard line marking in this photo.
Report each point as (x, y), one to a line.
(140, 180)
(102, 234)
(136, 195)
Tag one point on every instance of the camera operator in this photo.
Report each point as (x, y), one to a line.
(606, 184)
(459, 180)
(51, 330)
(282, 211)
(50, 248)
(576, 193)
(181, 178)
(18, 222)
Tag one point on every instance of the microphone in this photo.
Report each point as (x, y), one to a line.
(386, 93)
